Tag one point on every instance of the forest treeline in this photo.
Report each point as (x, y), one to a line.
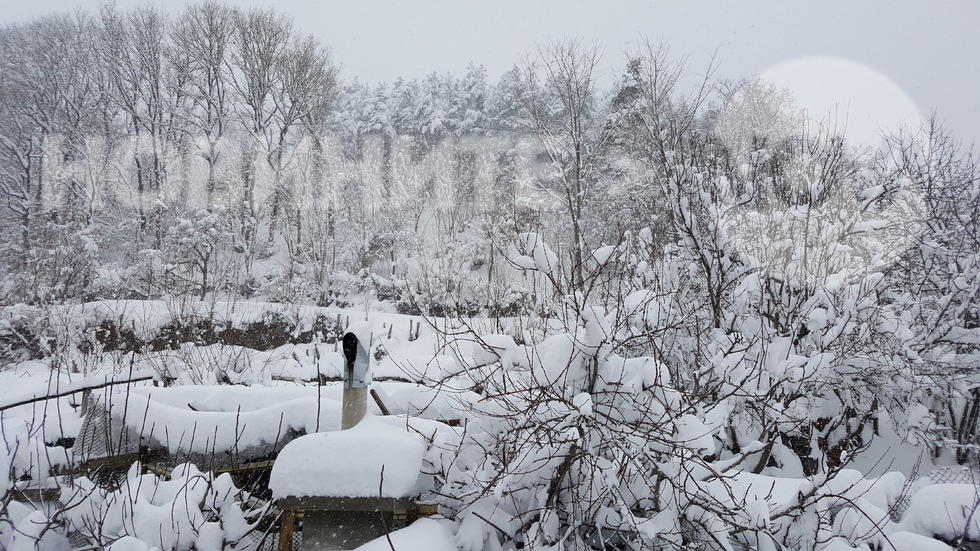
(145, 155)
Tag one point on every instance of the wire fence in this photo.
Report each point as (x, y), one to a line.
(268, 540)
(944, 475)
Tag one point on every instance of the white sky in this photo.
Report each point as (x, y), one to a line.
(927, 49)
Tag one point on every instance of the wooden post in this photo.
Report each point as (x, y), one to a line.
(381, 405)
(288, 523)
(86, 402)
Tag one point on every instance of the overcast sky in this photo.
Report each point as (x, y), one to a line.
(892, 53)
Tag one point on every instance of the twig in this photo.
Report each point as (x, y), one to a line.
(384, 523)
(62, 394)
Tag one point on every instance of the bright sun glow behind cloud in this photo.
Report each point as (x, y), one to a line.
(850, 94)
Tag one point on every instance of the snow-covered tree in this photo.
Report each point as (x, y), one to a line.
(204, 34)
(562, 104)
(935, 282)
(260, 41)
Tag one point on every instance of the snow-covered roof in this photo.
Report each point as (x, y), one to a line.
(224, 426)
(213, 426)
(375, 458)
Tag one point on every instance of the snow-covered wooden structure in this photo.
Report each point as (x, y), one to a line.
(356, 484)
(215, 431)
(347, 475)
(351, 486)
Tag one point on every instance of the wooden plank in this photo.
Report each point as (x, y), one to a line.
(288, 524)
(346, 503)
(162, 471)
(248, 467)
(146, 457)
(377, 400)
(76, 390)
(111, 463)
(35, 495)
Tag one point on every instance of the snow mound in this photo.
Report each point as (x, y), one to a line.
(498, 348)
(535, 254)
(946, 510)
(129, 543)
(603, 254)
(371, 459)
(194, 429)
(422, 535)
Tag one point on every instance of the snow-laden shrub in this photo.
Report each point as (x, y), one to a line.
(576, 446)
(23, 528)
(190, 510)
(21, 335)
(642, 425)
(61, 264)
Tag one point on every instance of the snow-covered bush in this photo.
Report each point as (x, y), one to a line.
(187, 510)
(643, 425)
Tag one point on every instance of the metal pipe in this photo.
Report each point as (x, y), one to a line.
(356, 346)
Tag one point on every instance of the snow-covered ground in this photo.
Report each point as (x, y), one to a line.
(427, 379)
